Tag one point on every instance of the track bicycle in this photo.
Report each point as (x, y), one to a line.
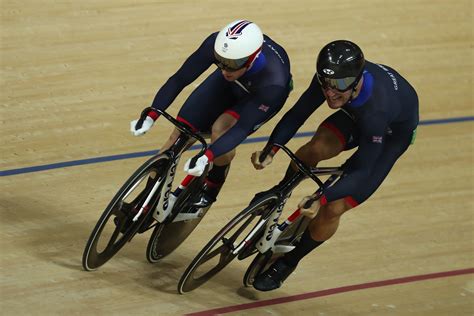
(147, 201)
(256, 229)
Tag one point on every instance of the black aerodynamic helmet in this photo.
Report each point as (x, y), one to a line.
(340, 65)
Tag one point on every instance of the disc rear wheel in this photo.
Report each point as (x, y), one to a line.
(167, 236)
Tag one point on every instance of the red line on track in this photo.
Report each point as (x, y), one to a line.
(343, 289)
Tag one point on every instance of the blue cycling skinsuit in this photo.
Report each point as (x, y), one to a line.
(381, 121)
(253, 99)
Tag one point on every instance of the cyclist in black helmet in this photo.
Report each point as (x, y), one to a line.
(377, 113)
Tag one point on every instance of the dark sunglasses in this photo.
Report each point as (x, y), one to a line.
(230, 64)
(340, 84)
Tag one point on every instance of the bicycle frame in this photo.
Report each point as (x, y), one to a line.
(166, 200)
(272, 229)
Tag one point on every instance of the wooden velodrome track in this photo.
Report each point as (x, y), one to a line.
(74, 73)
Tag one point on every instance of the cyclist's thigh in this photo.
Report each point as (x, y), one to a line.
(251, 118)
(394, 147)
(223, 123)
(338, 128)
(209, 100)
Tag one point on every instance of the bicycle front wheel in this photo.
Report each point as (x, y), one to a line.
(116, 225)
(219, 251)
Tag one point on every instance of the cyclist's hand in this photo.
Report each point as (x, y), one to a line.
(256, 160)
(144, 123)
(138, 131)
(309, 206)
(196, 167)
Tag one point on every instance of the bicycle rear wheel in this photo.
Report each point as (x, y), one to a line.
(262, 261)
(116, 226)
(218, 252)
(166, 237)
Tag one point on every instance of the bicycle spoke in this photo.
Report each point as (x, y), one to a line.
(112, 240)
(215, 252)
(241, 229)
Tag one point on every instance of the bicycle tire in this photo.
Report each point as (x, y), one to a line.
(168, 236)
(257, 210)
(123, 228)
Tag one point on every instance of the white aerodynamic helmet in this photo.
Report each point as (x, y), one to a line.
(237, 45)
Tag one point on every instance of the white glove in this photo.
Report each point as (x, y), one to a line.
(147, 124)
(312, 210)
(256, 160)
(198, 169)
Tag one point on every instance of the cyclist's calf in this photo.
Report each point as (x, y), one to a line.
(326, 222)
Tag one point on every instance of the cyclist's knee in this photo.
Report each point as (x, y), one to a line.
(171, 139)
(315, 151)
(334, 210)
(325, 145)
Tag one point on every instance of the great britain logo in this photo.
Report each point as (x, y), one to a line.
(235, 31)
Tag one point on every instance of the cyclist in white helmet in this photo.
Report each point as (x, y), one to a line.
(250, 85)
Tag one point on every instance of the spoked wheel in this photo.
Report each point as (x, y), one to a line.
(116, 226)
(263, 261)
(219, 252)
(166, 237)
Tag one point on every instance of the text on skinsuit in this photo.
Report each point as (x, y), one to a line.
(394, 80)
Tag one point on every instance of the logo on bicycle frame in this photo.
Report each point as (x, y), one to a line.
(166, 196)
(272, 227)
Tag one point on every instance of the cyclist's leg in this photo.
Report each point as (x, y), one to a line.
(326, 222)
(217, 175)
(205, 104)
(324, 225)
(224, 123)
(394, 147)
(240, 121)
(171, 140)
(334, 135)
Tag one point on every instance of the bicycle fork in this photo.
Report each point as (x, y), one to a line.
(165, 205)
(273, 231)
(269, 230)
(167, 199)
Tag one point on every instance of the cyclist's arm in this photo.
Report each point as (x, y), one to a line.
(362, 162)
(257, 109)
(309, 101)
(192, 68)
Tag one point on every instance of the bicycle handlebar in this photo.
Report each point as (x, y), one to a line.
(301, 166)
(309, 171)
(266, 150)
(179, 125)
